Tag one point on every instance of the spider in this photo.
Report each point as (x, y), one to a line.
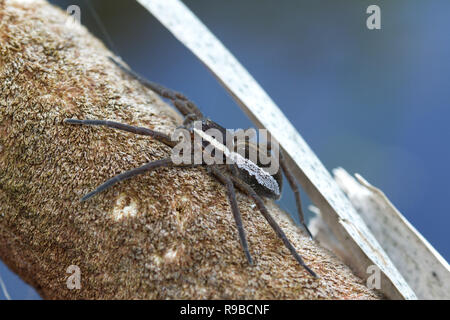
(250, 178)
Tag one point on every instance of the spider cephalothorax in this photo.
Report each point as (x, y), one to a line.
(235, 171)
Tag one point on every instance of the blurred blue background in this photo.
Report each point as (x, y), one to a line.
(376, 102)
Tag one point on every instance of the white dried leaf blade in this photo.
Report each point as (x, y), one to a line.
(425, 270)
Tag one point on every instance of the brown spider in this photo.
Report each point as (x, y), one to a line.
(250, 178)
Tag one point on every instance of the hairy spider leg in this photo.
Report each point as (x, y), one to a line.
(180, 101)
(234, 209)
(290, 178)
(162, 137)
(167, 162)
(262, 208)
(293, 184)
(127, 175)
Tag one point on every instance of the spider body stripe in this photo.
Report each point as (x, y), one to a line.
(263, 178)
(210, 140)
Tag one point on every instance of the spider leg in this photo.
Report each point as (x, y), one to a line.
(234, 209)
(262, 208)
(128, 174)
(189, 118)
(164, 138)
(290, 178)
(293, 184)
(183, 104)
(167, 162)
